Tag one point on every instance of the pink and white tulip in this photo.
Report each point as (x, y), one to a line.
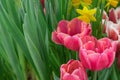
(97, 56)
(112, 23)
(112, 27)
(73, 70)
(69, 33)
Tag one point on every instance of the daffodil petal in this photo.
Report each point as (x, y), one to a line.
(76, 3)
(92, 18)
(93, 11)
(88, 1)
(84, 18)
(79, 11)
(85, 8)
(108, 4)
(114, 3)
(86, 14)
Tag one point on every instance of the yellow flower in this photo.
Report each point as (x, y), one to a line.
(112, 3)
(86, 15)
(88, 2)
(76, 3)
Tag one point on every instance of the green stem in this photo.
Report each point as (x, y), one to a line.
(98, 4)
(77, 55)
(95, 75)
(114, 74)
(69, 9)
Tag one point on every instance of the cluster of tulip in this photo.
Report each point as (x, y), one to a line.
(93, 54)
(112, 28)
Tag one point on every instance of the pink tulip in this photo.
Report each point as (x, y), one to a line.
(105, 16)
(114, 15)
(69, 33)
(112, 27)
(97, 56)
(112, 23)
(73, 70)
(113, 18)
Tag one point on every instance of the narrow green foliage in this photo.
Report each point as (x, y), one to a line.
(26, 49)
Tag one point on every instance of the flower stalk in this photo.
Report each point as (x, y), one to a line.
(95, 75)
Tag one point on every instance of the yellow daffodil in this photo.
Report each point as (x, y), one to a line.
(86, 15)
(76, 3)
(112, 3)
(88, 2)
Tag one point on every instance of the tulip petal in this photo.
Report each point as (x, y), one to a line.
(73, 65)
(111, 54)
(84, 58)
(72, 43)
(85, 39)
(63, 70)
(117, 11)
(62, 26)
(111, 57)
(62, 36)
(102, 61)
(103, 44)
(89, 45)
(55, 38)
(86, 28)
(105, 16)
(112, 34)
(112, 16)
(70, 77)
(80, 72)
(74, 27)
(93, 57)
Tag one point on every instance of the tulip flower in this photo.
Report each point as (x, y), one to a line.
(73, 70)
(114, 15)
(112, 28)
(112, 24)
(98, 55)
(69, 33)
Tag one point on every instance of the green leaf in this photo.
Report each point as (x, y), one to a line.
(10, 52)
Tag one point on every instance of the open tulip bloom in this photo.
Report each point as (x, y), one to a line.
(73, 70)
(94, 54)
(97, 55)
(69, 33)
(112, 28)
